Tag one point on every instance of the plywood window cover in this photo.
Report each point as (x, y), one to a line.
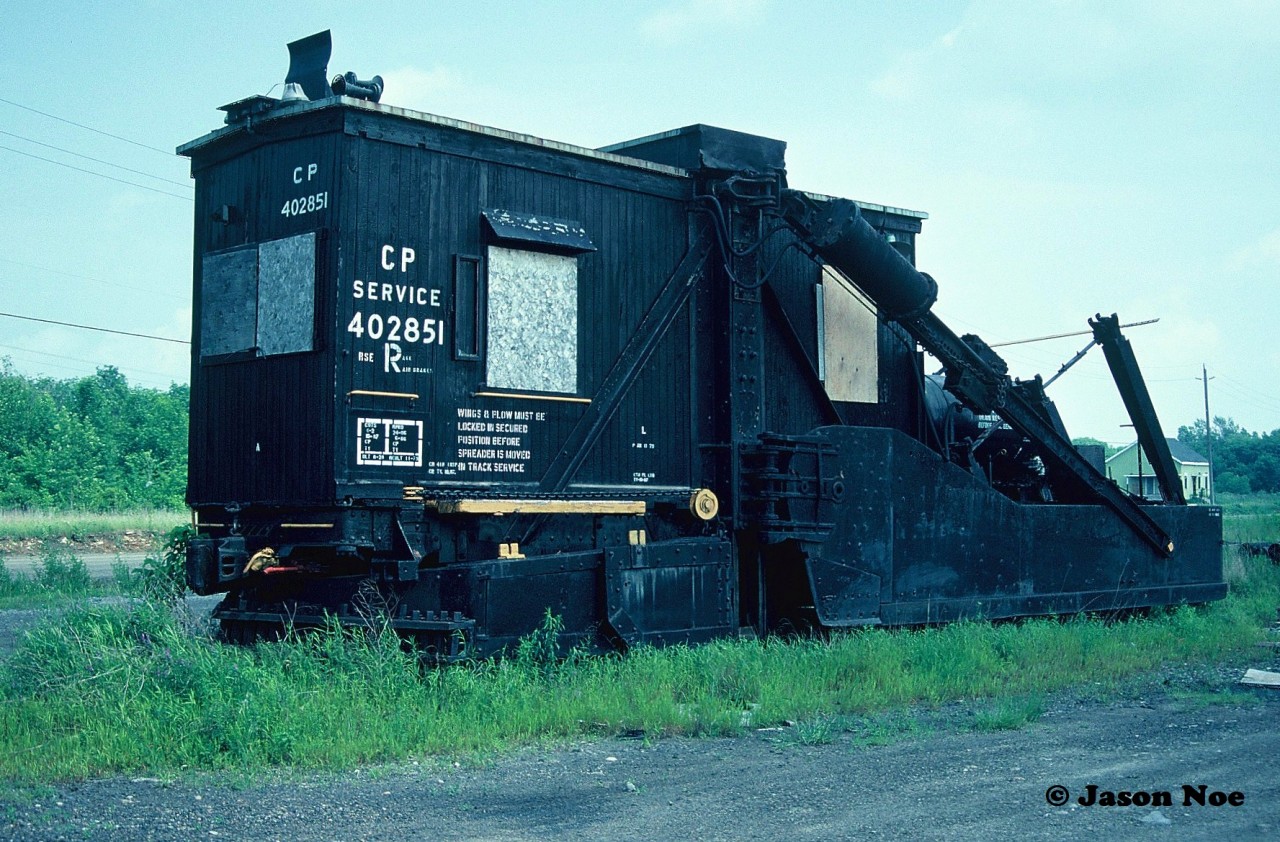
(259, 300)
(532, 331)
(850, 341)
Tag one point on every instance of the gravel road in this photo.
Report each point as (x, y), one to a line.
(98, 564)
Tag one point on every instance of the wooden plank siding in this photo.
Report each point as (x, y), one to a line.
(281, 429)
(408, 192)
(260, 427)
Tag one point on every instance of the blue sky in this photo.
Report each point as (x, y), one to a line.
(1074, 157)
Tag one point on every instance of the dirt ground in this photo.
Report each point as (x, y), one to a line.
(129, 541)
(937, 778)
(946, 785)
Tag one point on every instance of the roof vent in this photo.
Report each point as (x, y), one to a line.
(348, 85)
(293, 93)
(309, 65)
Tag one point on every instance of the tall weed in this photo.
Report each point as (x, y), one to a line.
(162, 577)
(65, 523)
(60, 571)
(130, 689)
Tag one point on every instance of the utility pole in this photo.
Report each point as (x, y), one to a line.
(1208, 430)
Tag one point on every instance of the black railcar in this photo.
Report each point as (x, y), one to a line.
(467, 376)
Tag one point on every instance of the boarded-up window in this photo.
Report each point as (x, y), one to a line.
(532, 333)
(850, 343)
(287, 295)
(259, 299)
(229, 302)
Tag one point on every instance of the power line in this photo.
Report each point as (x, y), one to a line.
(1250, 391)
(78, 371)
(99, 160)
(98, 174)
(74, 369)
(95, 280)
(87, 128)
(1250, 398)
(127, 368)
(1233, 380)
(1243, 390)
(100, 329)
(1061, 335)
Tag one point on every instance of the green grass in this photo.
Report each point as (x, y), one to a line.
(62, 578)
(887, 728)
(132, 689)
(1248, 504)
(16, 524)
(1009, 714)
(1248, 518)
(1260, 526)
(135, 691)
(1197, 699)
(815, 732)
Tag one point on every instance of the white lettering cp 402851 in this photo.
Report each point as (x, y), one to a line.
(395, 329)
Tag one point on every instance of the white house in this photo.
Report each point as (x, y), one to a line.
(1132, 470)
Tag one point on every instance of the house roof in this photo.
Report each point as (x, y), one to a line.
(1180, 452)
(1183, 453)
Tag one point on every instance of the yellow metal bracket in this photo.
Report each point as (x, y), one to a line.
(704, 504)
(408, 396)
(518, 507)
(527, 397)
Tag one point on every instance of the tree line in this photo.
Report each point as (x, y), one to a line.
(1243, 462)
(93, 443)
(98, 443)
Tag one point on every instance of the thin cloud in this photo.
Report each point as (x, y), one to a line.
(912, 69)
(682, 21)
(1265, 251)
(420, 89)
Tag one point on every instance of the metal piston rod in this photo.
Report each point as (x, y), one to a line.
(836, 232)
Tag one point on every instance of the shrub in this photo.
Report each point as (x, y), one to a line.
(61, 572)
(162, 578)
(1231, 484)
